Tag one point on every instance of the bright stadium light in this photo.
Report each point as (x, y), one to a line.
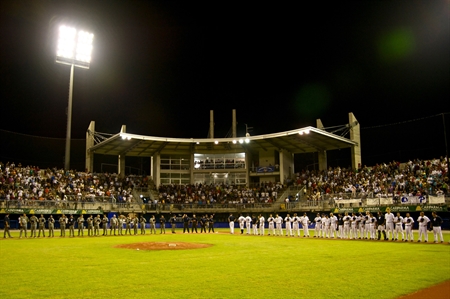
(74, 48)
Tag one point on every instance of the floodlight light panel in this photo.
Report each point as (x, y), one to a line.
(84, 46)
(66, 42)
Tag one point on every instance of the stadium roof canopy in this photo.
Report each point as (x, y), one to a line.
(304, 140)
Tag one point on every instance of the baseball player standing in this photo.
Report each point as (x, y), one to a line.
(326, 226)
(279, 225)
(305, 223)
(398, 222)
(381, 222)
(248, 223)
(333, 225)
(42, 226)
(389, 218)
(231, 223)
(287, 225)
(51, 226)
(436, 222)
(346, 230)
(271, 221)
(241, 221)
(372, 224)
(318, 226)
(409, 221)
(33, 224)
(423, 224)
(296, 225)
(262, 221)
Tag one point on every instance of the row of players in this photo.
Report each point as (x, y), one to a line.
(116, 225)
(355, 226)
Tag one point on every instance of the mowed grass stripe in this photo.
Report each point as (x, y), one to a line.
(244, 266)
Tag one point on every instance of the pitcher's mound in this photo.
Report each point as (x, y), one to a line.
(163, 246)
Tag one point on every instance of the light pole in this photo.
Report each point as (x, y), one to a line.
(74, 49)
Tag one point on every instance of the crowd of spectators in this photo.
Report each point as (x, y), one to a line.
(391, 180)
(207, 194)
(32, 186)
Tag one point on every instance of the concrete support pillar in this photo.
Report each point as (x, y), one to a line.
(234, 124)
(89, 163)
(356, 137)
(121, 158)
(191, 165)
(321, 155)
(211, 124)
(157, 169)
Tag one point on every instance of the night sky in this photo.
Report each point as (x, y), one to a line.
(160, 67)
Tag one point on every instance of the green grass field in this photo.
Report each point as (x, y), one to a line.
(237, 266)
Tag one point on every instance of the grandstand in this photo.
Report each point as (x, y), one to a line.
(223, 175)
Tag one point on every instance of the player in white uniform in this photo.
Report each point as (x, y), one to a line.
(423, 223)
(346, 231)
(333, 223)
(368, 219)
(287, 225)
(389, 218)
(296, 225)
(326, 226)
(241, 221)
(372, 223)
(279, 225)
(318, 226)
(248, 223)
(305, 223)
(409, 221)
(353, 227)
(271, 221)
(362, 225)
(262, 221)
(398, 222)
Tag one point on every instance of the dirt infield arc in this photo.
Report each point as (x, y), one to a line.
(439, 291)
(163, 246)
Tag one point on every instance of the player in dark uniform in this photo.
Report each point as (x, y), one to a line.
(173, 222)
(6, 227)
(381, 222)
(203, 222)
(194, 223)
(211, 223)
(185, 223)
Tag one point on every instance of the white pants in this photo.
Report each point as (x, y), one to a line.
(423, 232)
(409, 233)
(399, 230)
(247, 225)
(372, 231)
(296, 229)
(346, 230)
(437, 232)
(389, 229)
(255, 229)
(288, 229)
(279, 229)
(271, 228)
(231, 227)
(317, 230)
(261, 229)
(353, 232)
(332, 230)
(305, 230)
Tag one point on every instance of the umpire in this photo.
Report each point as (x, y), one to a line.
(7, 225)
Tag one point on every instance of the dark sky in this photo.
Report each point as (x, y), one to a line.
(160, 67)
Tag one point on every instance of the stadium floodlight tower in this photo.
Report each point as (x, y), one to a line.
(74, 49)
